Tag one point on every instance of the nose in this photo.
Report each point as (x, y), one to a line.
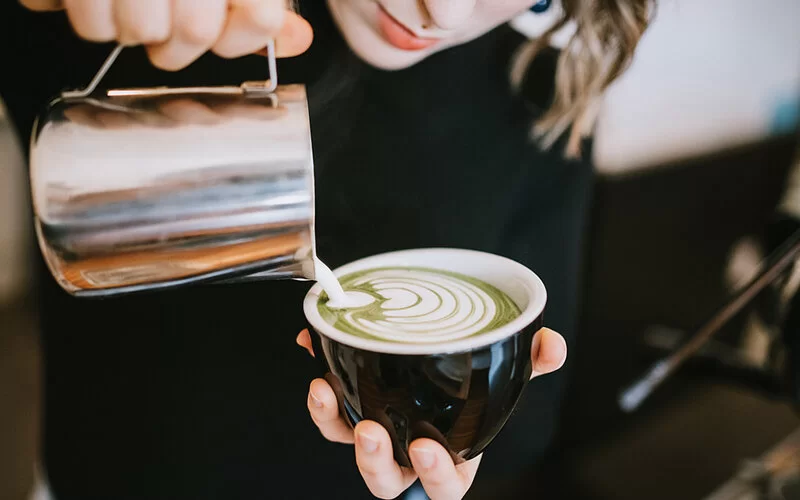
(449, 14)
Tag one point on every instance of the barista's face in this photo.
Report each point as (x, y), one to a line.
(394, 34)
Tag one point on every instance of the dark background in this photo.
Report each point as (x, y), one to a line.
(659, 247)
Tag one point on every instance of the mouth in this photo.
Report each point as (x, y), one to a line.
(399, 36)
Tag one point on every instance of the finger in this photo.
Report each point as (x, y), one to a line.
(154, 119)
(294, 37)
(114, 119)
(324, 410)
(253, 110)
(92, 19)
(83, 115)
(468, 471)
(250, 25)
(375, 460)
(291, 93)
(42, 5)
(304, 341)
(142, 22)
(548, 352)
(437, 472)
(196, 25)
(189, 111)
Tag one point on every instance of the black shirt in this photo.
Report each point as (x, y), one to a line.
(200, 393)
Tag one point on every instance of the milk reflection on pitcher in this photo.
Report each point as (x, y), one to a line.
(139, 189)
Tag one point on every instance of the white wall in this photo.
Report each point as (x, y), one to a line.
(709, 74)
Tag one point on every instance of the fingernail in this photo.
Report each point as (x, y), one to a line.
(367, 443)
(423, 458)
(315, 400)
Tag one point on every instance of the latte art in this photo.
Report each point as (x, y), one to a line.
(418, 305)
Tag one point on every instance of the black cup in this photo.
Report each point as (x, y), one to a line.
(459, 393)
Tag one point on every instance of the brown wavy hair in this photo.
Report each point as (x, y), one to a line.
(601, 49)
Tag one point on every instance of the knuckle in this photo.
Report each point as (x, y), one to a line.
(332, 432)
(316, 412)
(330, 435)
(323, 419)
(386, 494)
(163, 58)
(229, 49)
(432, 479)
(436, 479)
(227, 52)
(95, 35)
(267, 17)
(369, 470)
(145, 33)
(323, 429)
(169, 64)
(316, 422)
(379, 488)
(197, 31)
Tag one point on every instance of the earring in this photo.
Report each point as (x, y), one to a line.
(541, 6)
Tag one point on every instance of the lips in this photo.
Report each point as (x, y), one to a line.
(400, 36)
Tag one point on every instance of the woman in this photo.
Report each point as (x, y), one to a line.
(420, 140)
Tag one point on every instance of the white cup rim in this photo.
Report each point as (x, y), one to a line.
(537, 298)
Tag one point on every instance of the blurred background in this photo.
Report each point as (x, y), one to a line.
(693, 146)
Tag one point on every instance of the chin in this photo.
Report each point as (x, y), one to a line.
(387, 58)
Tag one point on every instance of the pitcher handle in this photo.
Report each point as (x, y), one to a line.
(269, 85)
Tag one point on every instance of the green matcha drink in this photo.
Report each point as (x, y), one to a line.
(417, 305)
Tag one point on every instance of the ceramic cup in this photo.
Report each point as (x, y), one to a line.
(459, 393)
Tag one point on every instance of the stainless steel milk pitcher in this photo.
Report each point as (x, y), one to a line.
(147, 188)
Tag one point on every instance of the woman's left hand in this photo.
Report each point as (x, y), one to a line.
(384, 477)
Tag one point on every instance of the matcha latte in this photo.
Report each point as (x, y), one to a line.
(410, 338)
(417, 305)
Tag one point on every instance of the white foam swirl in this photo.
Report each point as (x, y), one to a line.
(420, 306)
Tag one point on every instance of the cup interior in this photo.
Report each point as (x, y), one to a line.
(517, 281)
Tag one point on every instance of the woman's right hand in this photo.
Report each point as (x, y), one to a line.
(176, 32)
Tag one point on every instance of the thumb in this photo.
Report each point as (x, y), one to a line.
(548, 352)
(304, 341)
(294, 38)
